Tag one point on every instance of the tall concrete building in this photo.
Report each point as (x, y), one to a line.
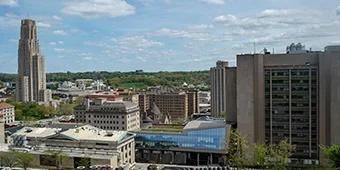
(293, 96)
(31, 81)
(223, 91)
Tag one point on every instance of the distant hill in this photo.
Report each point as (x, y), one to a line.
(137, 80)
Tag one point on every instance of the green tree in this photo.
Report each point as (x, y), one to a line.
(260, 155)
(24, 160)
(86, 162)
(8, 159)
(279, 154)
(238, 145)
(332, 153)
(58, 157)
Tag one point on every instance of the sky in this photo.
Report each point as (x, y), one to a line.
(163, 35)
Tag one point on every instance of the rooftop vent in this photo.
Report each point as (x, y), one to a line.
(28, 130)
(109, 134)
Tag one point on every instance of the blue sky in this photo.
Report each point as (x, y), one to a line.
(168, 35)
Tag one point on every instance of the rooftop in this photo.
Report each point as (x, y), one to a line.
(164, 128)
(205, 122)
(4, 105)
(88, 132)
(37, 132)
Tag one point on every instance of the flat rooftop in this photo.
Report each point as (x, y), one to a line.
(37, 132)
(88, 132)
(85, 132)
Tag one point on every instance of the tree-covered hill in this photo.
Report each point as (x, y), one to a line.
(129, 79)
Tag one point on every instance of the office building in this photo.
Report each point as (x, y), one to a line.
(82, 144)
(200, 142)
(291, 96)
(109, 115)
(178, 103)
(223, 91)
(7, 113)
(31, 81)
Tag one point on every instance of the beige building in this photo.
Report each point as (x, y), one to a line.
(109, 115)
(82, 144)
(223, 91)
(31, 81)
(7, 113)
(292, 96)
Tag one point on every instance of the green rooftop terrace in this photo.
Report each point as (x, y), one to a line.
(165, 128)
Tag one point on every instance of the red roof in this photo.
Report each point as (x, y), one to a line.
(4, 105)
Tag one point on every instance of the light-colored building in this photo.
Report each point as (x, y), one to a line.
(223, 91)
(31, 81)
(292, 96)
(7, 113)
(84, 143)
(109, 115)
(204, 99)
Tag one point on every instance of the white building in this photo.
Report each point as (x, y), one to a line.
(97, 146)
(7, 113)
(109, 115)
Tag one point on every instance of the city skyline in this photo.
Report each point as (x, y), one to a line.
(163, 35)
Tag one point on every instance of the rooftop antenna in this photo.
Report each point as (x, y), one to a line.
(273, 51)
(254, 47)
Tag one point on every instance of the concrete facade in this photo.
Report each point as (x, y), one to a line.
(31, 81)
(290, 96)
(7, 113)
(109, 115)
(99, 147)
(223, 91)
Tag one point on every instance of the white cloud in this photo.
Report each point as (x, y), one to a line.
(8, 2)
(43, 24)
(59, 32)
(9, 20)
(56, 43)
(55, 17)
(225, 18)
(268, 13)
(98, 8)
(199, 33)
(59, 50)
(214, 2)
(87, 58)
(136, 42)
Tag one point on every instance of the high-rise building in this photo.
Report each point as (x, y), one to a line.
(31, 81)
(223, 91)
(293, 96)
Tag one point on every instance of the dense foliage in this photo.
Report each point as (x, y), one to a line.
(258, 156)
(332, 153)
(12, 159)
(32, 111)
(129, 79)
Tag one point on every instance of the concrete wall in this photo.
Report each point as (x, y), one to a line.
(245, 96)
(231, 108)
